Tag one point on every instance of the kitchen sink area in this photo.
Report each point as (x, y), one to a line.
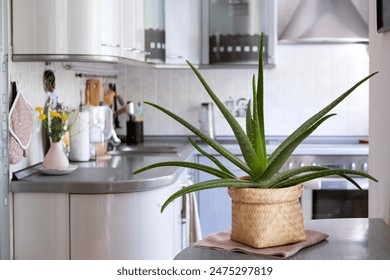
(151, 147)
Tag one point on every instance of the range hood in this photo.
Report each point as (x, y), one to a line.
(325, 21)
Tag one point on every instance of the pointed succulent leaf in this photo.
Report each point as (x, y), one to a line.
(314, 119)
(320, 174)
(348, 178)
(213, 171)
(249, 123)
(212, 158)
(214, 144)
(259, 115)
(218, 183)
(294, 172)
(282, 155)
(246, 147)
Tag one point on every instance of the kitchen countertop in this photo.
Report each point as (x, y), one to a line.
(349, 239)
(113, 175)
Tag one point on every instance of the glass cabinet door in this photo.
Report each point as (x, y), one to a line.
(235, 27)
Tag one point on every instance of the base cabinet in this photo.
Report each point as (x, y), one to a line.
(116, 226)
(41, 226)
(123, 226)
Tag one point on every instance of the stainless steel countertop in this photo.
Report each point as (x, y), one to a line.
(113, 175)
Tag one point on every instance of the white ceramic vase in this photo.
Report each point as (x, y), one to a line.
(55, 157)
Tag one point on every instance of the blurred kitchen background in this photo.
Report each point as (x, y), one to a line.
(304, 78)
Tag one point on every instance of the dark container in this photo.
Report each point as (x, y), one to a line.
(135, 133)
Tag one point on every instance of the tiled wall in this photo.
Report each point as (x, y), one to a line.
(305, 79)
(301, 83)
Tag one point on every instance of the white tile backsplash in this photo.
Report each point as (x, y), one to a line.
(306, 78)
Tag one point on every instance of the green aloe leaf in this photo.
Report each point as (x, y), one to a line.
(218, 183)
(211, 157)
(214, 144)
(305, 169)
(245, 144)
(320, 174)
(258, 111)
(306, 125)
(351, 180)
(275, 165)
(294, 172)
(249, 123)
(213, 171)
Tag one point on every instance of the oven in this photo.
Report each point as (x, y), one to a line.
(333, 196)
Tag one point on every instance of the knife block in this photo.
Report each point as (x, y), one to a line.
(135, 133)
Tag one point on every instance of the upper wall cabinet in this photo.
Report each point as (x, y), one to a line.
(143, 30)
(57, 29)
(133, 31)
(183, 31)
(232, 29)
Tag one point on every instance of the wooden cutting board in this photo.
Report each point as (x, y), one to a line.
(92, 92)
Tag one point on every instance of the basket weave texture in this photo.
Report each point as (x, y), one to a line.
(267, 217)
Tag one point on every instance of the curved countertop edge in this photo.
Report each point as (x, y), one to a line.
(94, 187)
(113, 179)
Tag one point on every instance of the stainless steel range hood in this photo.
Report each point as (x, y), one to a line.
(325, 21)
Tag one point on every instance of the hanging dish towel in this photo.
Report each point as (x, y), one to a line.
(20, 129)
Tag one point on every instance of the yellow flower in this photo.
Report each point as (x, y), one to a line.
(64, 117)
(54, 114)
(39, 109)
(42, 117)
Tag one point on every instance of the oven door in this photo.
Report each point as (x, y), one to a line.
(329, 198)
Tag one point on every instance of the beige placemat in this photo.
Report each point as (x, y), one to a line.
(221, 241)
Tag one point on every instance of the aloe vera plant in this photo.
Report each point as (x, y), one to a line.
(262, 170)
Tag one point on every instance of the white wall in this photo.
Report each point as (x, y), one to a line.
(379, 158)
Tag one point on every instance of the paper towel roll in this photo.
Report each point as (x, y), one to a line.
(79, 137)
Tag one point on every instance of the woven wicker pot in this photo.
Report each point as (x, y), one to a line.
(267, 217)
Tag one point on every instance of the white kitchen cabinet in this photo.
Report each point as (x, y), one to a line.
(60, 28)
(41, 226)
(133, 31)
(183, 31)
(125, 225)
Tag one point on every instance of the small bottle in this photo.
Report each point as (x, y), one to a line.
(206, 119)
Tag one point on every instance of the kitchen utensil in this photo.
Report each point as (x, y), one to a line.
(87, 94)
(129, 109)
(138, 112)
(94, 91)
(108, 98)
(49, 80)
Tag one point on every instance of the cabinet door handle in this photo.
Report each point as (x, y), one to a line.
(110, 45)
(173, 56)
(137, 51)
(130, 49)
